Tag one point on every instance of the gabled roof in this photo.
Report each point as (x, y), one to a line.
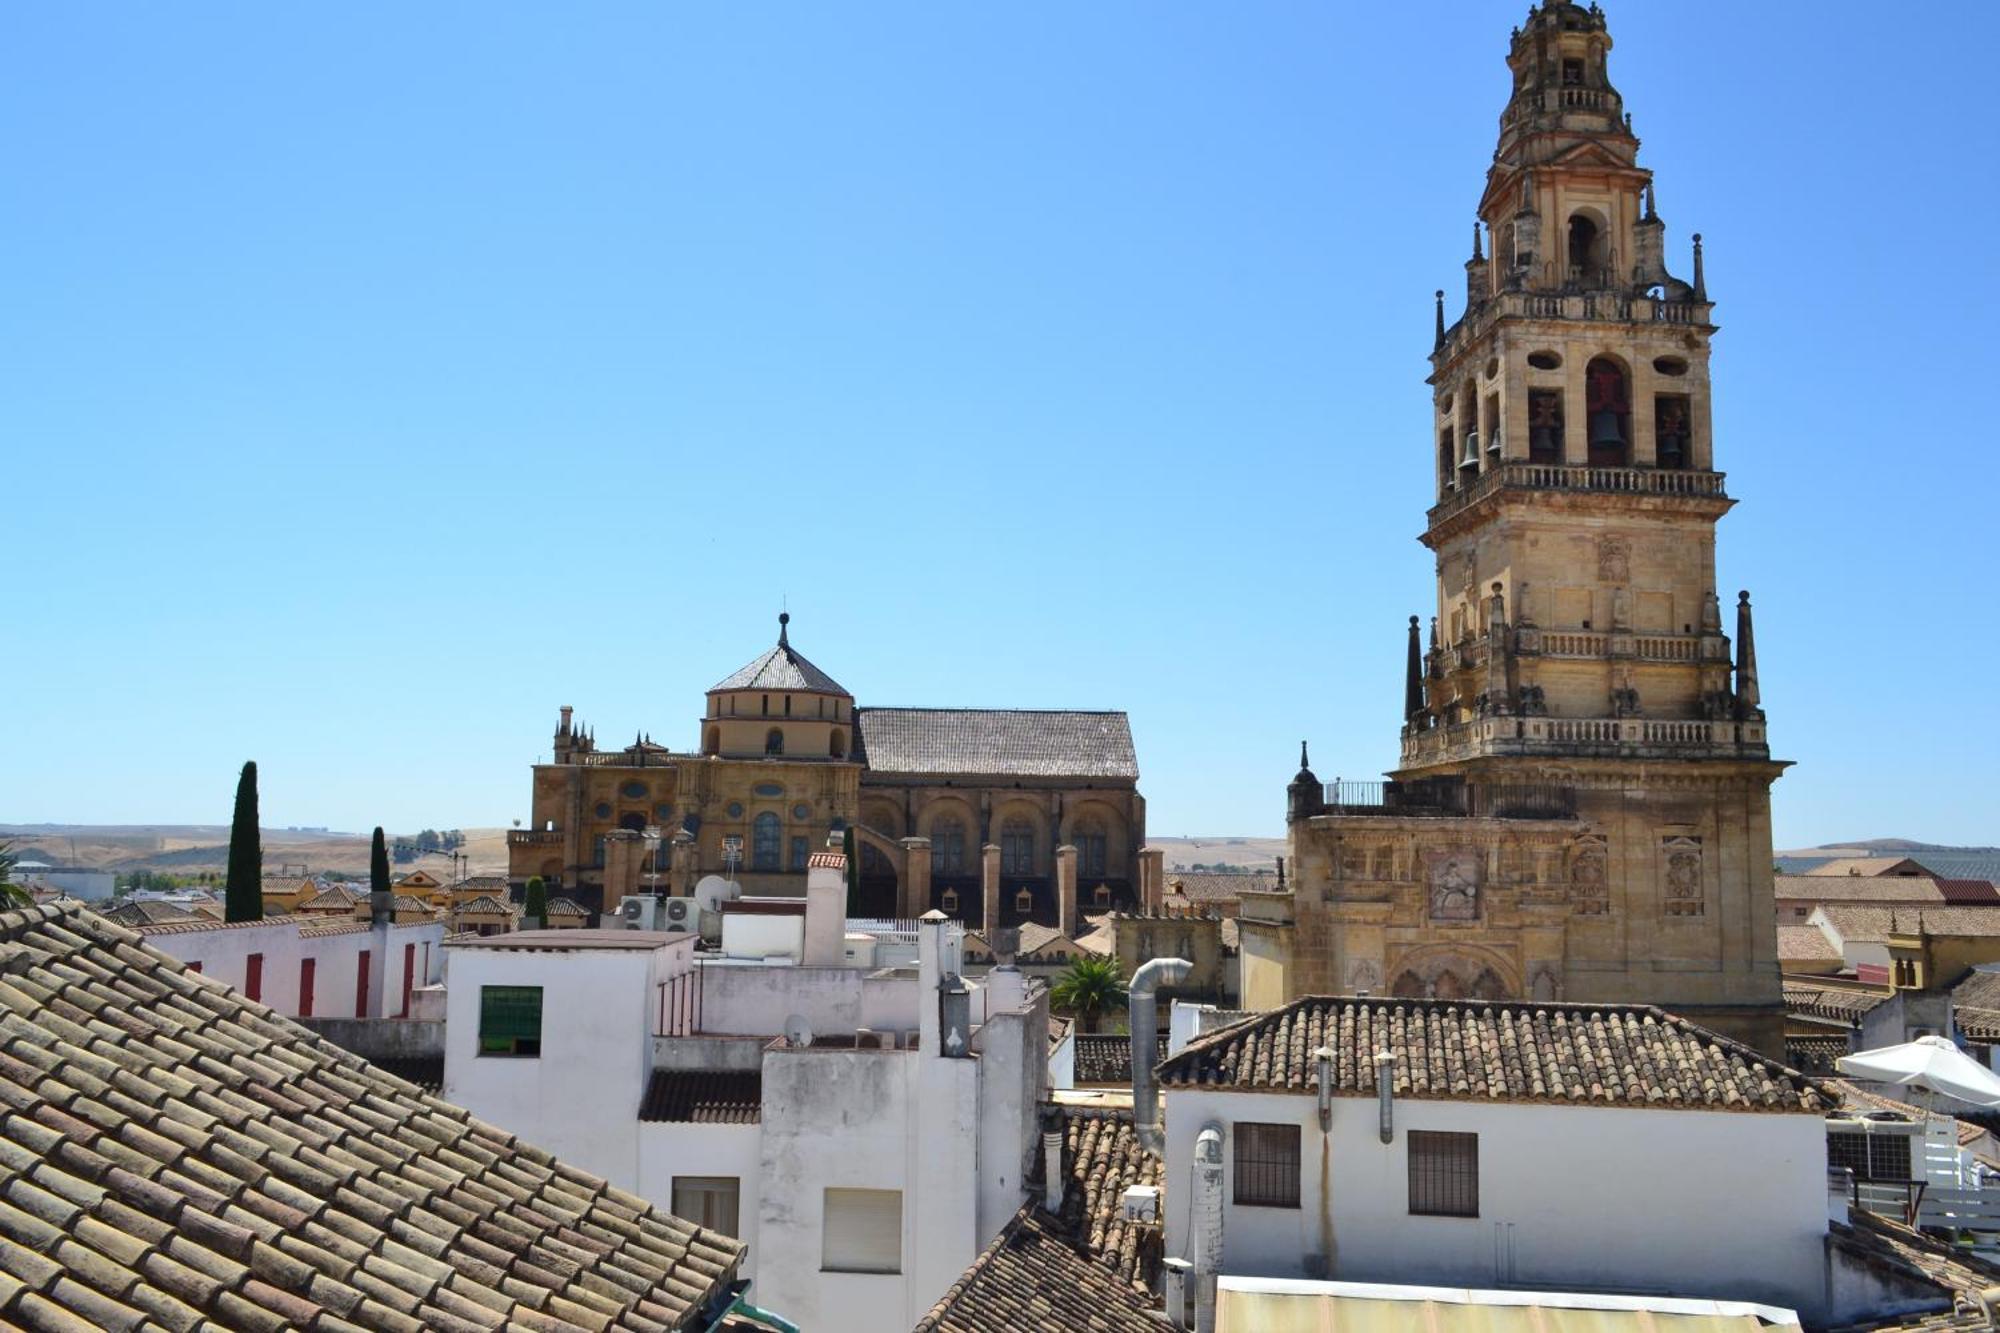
(336, 897)
(704, 1096)
(1805, 944)
(996, 742)
(1869, 866)
(148, 912)
(1491, 1051)
(176, 1156)
(1085, 1269)
(1103, 1057)
(1858, 888)
(568, 907)
(1838, 1003)
(1211, 888)
(486, 906)
(781, 668)
(1874, 925)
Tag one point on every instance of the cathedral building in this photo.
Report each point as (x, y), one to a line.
(1582, 809)
(997, 817)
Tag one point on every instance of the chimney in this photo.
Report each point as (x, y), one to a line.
(1146, 1044)
(1207, 1219)
(826, 910)
(1066, 891)
(1052, 1170)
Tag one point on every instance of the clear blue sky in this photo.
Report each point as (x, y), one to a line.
(375, 378)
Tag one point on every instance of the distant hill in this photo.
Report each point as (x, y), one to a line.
(192, 848)
(1945, 862)
(1221, 851)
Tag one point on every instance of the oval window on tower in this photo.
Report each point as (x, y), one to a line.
(1670, 365)
(1545, 360)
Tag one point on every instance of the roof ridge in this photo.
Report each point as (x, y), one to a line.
(982, 708)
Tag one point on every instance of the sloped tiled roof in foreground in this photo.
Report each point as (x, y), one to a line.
(1085, 1270)
(1002, 742)
(1493, 1051)
(177, 1157)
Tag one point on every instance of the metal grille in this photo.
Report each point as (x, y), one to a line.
(1444, 1174)
(1267, 1165)
(1871, 1156)
(510, 1020)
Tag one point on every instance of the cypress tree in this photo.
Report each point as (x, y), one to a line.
(243, 890)
(535, 910)
(378, 863)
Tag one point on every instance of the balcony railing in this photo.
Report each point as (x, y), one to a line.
(1516, 474)
(1451, 798)
(528, 837)
(1611, 736)
(1601, 306)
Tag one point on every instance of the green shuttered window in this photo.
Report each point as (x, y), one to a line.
(510, 1020)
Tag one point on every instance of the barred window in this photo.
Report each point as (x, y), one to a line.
(764, 842)
(948, 847)
(1267, 1165)
(1017, 848)
(1871, 1156)
(510, 1020)
(1444, 1174)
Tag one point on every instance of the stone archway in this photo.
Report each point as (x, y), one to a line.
(884, 863)
(1455, 972)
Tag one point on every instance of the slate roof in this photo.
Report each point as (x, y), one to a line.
(705, 1096)
(1832, 1002)
(1085, 1269)
(175, 1156)
(1103, 1057)
(996, 742)
(1805, 943)
(1479, 1050)
(781, 668)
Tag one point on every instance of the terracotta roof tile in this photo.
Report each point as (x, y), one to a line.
(204, 1162)
(1837, 1003)
(1577, 1054)
(704, 1096)
(1103, 1058)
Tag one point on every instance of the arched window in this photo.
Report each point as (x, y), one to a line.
(1584, 258)
(634, 820)
(947, 846)
(712, 742)
(1017, 848)
(1088, 839)
(837, 746)
(764, 842)
(774, 741)
(1608, 410)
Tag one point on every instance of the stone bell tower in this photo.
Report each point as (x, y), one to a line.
(1582, 808)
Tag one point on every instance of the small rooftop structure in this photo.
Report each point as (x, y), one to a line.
(574, 938)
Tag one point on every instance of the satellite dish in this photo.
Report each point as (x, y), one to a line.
(798, 1032)
(711, 891)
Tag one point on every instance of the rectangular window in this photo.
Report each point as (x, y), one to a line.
(409, 977)
(1267, 1165)
(708, 1201)
(307, 967)
(800, 846)
(510, 1020)
(253, 976)
(1444, 1174)
(861, 1231)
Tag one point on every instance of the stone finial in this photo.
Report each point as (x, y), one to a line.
(1700, 279)
(1305, 764)
(1440, 317)
(1746, 660)
(1413, 675)
(784, 619)
(1652, 204)
(1477, 253)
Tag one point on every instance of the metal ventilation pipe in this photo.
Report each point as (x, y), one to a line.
(1146, 1046)
(1385, 1095)
(1052, 1170)
(1207, 1219)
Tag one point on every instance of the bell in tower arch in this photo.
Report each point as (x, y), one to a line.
(1609, 408)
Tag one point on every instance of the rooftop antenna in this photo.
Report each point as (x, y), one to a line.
(798, 1032)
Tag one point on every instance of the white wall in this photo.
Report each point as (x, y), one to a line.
(748, 936)
(752, 999)
(224, 953)
(1697, 1203)
(580, 1098)
(667, 1150)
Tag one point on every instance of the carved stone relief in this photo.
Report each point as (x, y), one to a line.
(1363, 975)
(1614, 560)
(1589, 883)
(1680, 864)
(1451, 884)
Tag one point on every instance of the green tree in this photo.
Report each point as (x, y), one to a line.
(535, 910)
(12, 894)
(1088, 989)
(243, 891)
(378, 863)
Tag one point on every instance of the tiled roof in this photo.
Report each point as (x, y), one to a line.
(1969, 892)
(1806, 943)
(339, 926)
(1873, 925)
(1862, 867)
(1980, 990)
(782, 668)
(1835, 1002)
(147, 912)
(426, 1071)
(568, 907)
(335, 898)
(486, 906)
(1002, 742)
(1857, 889)
(1086, 1269)
(827, 861)
(1103, 1057)
(705, 1096)
(1576, 1054)
(1959, 1276)
(178, 1157)
(1815, 1055)
(1206, 889)
(407, 902)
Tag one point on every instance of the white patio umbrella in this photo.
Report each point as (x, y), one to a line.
(1931, 1063)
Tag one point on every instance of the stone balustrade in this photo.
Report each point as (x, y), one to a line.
(1516, 474)
(1616, 736)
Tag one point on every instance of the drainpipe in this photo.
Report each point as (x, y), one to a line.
(1323, 1062)
(1385, 1081)
(1207, 1236)
(1146, 1043)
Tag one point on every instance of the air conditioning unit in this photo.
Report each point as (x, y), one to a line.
(680, 912)
(1142, 1203)
(632, 909)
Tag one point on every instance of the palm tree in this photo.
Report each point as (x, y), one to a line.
(1088, 989)
(12, 894)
